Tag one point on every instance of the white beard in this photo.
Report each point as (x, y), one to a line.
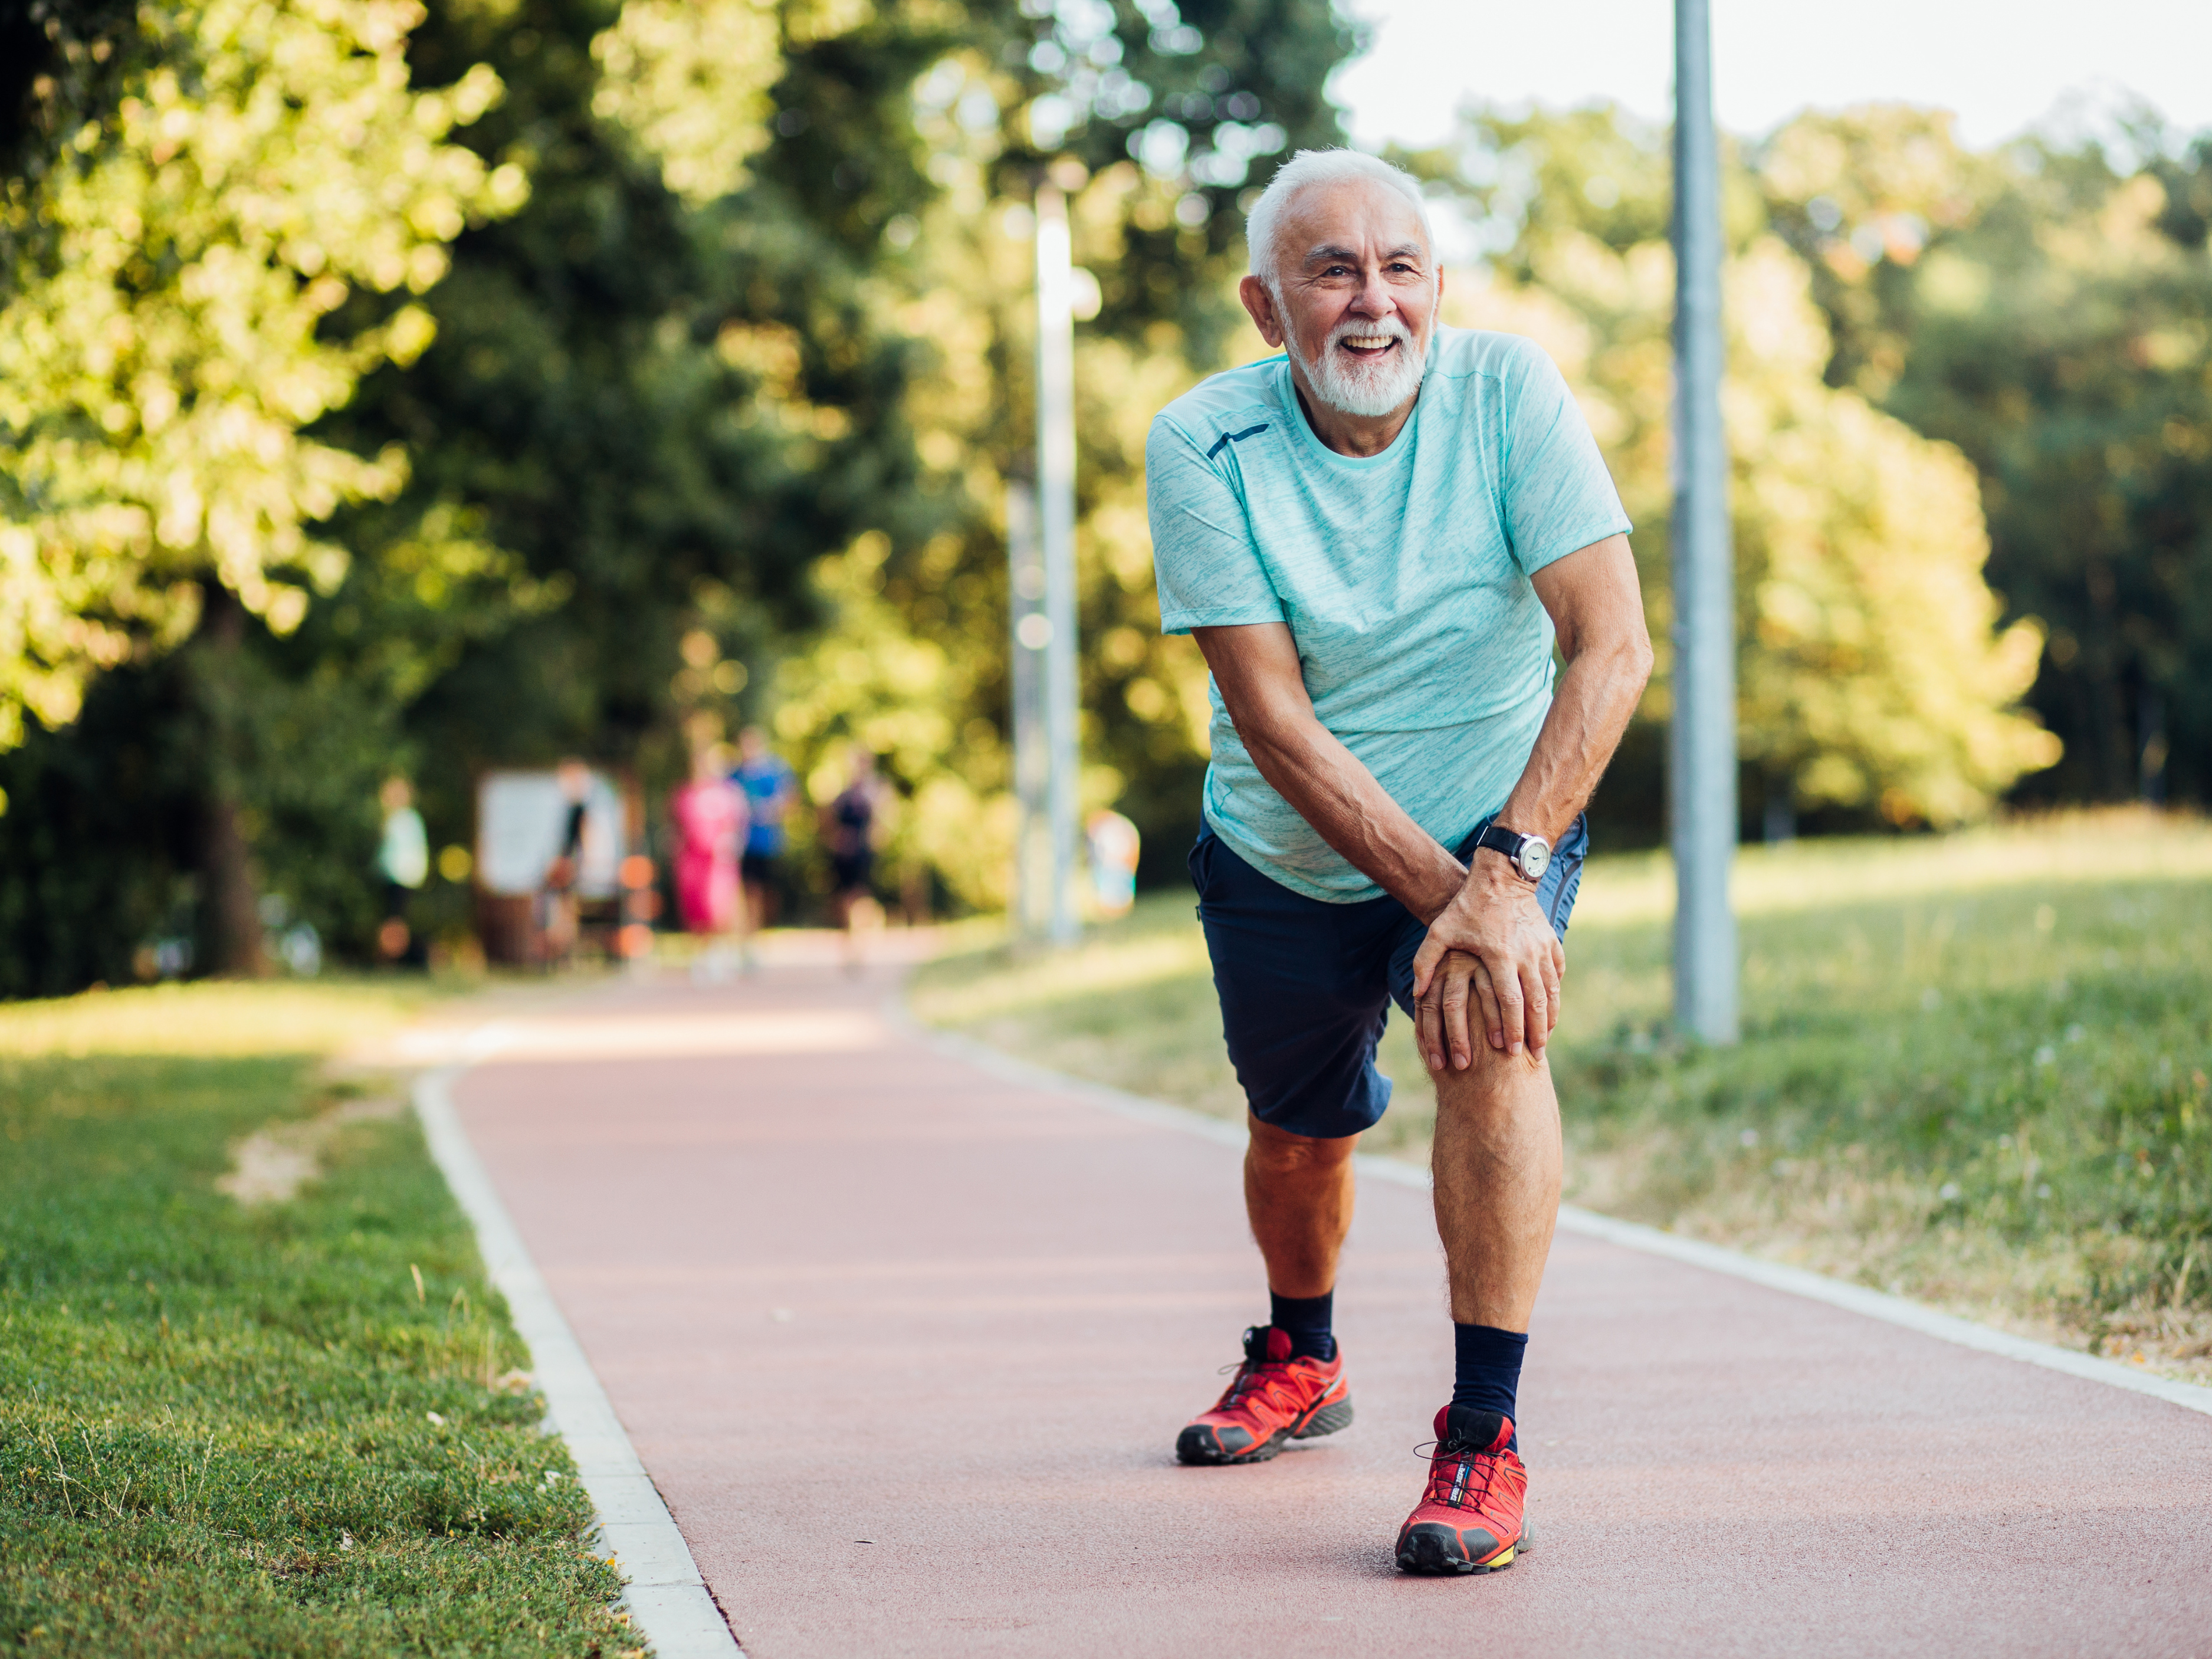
(1367, 390)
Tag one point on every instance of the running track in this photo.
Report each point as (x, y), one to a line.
(841, 1287)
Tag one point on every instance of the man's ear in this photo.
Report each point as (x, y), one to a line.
(1261, 304)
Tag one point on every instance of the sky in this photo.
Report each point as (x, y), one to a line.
(1774, 58)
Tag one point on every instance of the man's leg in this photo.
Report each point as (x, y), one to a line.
(1292, 1386)
(1298, 1192)
(1495, 1165)
(1302, 987)
(1496, 1159)
(1496, 1184)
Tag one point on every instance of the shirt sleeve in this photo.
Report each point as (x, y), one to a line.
(1203, 556)
(1558, 497)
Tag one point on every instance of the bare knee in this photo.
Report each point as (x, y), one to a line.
(1278, 1152)
(1496, 1087)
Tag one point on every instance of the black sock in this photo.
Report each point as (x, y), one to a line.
(1305, 1320)
(1486, 1373)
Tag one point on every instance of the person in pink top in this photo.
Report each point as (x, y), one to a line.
(710, 816)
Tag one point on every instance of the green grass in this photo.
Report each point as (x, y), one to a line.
(243, 1430)
(1974, 1068)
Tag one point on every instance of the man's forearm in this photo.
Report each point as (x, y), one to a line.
(1328, 786)
(1492, 919)
(1329, 789)
(1590, 710)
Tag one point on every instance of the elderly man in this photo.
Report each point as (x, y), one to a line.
(1375, 539)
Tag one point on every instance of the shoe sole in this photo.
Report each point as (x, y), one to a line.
(1429, 1550)
(1192, 1447)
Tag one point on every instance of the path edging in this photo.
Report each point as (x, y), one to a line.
(1715, 1258)
(668, 1600)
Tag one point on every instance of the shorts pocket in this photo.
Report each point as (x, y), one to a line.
(1199, 863)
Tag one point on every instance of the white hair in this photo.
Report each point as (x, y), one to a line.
(1310, 167)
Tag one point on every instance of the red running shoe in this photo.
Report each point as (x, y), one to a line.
(1470, 1519)
(1272, 1400)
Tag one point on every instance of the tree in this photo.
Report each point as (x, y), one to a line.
(58, 69)
(662, 390)
(737, 388)
(1156, 119)
(1872, 678)
(156, 378)
(158, 370)
(2045, 308)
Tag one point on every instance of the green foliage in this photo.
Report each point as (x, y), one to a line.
(689, 82)
(762, 307)
(1971, 1070)
(1871, 676)
(58, 69)
(100, 841)
(2048, 309)
(659, 409)
(236, 1431)
(265, 160)
(636, 402)
(1153, 120)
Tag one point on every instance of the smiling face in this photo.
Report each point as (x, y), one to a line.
(1353, 297)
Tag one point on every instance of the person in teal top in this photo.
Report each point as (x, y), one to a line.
(1386, 568)
(1377, 539)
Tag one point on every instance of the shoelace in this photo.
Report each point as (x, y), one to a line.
(1453, 1474)
(1269, 1380)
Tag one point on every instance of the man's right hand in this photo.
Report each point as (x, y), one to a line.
(1509, 964)
(1460, 994)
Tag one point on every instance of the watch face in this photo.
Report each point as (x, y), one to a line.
(1535, 858)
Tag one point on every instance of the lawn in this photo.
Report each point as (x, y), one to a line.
(1974, 1068)
(292, 1426)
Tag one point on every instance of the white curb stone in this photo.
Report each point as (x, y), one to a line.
(666, 1599)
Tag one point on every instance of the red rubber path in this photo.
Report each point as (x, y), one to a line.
(906, 1346)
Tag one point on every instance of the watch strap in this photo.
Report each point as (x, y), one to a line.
(1498, 839)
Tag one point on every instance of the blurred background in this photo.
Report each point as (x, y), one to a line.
(442, 392)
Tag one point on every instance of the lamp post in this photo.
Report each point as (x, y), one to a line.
(1055, 501)
(1702, 760)
(1031, 630)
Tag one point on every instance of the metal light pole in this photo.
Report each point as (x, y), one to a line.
(1032, 764)
(1701, 769)
(1056, 455)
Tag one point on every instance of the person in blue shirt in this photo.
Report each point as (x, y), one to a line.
(1377, 538)
(769, 788)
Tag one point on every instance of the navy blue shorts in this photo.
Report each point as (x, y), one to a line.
(1306, 987)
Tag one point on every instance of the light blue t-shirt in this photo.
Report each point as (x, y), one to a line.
(764, 782)
(1403, 576)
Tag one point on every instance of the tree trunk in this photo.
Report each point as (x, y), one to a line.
(230, 919)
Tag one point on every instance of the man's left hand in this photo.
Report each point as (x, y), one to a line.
(1492, 946)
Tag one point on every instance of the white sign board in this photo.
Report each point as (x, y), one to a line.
(521, 819)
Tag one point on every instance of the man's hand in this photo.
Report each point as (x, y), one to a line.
(1490, 946)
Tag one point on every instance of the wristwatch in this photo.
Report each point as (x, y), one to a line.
(1531, 855)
